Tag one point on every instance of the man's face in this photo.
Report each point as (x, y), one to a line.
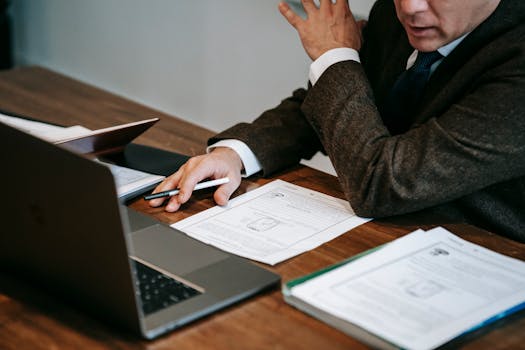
(431, 24)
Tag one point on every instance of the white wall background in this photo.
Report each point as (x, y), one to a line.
(210, 62)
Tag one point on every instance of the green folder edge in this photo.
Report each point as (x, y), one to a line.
(286, 289)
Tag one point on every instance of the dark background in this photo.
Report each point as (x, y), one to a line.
(6, 60)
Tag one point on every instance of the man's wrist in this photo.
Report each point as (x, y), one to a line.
(329, 58)
(250, 162)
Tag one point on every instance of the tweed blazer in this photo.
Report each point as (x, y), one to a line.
(464, 154)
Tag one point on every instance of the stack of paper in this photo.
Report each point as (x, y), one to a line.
(417, 292)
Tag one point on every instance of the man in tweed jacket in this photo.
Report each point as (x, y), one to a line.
(463, 153)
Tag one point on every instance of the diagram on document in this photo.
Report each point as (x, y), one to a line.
(273, 222)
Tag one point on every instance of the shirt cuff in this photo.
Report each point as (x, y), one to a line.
(329, 58)
(249, 160)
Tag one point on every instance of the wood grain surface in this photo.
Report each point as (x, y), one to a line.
(32, 319)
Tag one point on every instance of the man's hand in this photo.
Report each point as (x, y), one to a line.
(328, 27)
(221, 162)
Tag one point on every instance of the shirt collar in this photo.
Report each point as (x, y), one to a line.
(444, 50)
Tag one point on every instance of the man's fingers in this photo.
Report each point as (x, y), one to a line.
(309, 6)
(221, 162)
(342, 9)
(290, 16)
(186, 185)
(196, 171)
(168, 184)
(325, 7)
(186, 189)
(224, 192)
(341, 6)
(173, 204)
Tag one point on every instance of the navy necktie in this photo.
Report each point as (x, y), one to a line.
(405, 93)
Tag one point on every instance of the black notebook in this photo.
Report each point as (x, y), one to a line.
(150, 166)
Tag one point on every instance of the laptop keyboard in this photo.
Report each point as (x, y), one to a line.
(158, 291)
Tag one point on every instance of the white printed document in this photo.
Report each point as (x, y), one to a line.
(273, 222)
(44, 131)
(130, 182)
(417, 292)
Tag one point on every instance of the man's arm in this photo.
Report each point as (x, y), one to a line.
(280, 137)
(465, 140)
(475, 143)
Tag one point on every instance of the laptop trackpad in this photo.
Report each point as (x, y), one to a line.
(172, 250)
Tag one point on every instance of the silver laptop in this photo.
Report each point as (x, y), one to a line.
(64, 229)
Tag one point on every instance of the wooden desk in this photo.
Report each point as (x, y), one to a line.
(30, 319)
